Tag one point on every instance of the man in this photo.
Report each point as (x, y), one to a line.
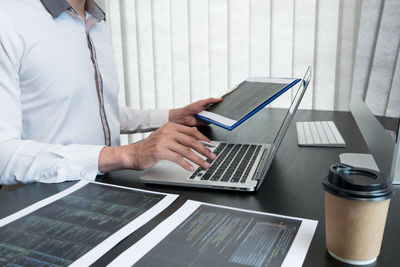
(59, 114)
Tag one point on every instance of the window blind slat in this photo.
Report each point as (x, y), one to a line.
(304, 41)
(130, 50)
(199, 54)
(282, 12)
(145, 54)
(180, 52)
(369, 25)
(260, 31)
(344, 72)
(238, 38)
(162, 54)
(326, 53)
(218, 43)
(384, 61)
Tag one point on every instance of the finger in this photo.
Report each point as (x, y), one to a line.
(208, 101)
(191, 131)
(195, 145)
(196, 134)
(178, 159)
(212, 100)
(183, 144)
(188, 153)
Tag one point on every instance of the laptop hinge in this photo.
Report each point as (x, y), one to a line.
(255, 176)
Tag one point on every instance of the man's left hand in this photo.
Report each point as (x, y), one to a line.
(186, 115)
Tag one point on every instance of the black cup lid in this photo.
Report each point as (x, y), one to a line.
(357, 183)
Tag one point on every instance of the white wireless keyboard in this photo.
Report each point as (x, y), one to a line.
(319, 133)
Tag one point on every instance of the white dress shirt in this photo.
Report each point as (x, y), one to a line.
(50, 126)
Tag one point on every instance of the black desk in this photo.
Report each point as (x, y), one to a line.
(292, 186)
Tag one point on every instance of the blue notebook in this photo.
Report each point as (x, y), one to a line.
(246, 99)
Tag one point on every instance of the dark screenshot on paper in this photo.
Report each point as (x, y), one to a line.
(63, 231)
(216, 236)
(244, 99)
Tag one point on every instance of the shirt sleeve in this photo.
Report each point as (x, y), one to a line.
(25, 161)
(138, 121)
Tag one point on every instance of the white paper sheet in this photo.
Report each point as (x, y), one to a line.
(294, 257)
(215, 117)
(98, 251)
(270, 80)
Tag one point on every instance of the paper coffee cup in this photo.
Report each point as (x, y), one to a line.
(356, 206)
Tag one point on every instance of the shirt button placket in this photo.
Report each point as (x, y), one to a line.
(99, 82)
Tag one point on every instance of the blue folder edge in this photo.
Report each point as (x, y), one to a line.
(254, 111)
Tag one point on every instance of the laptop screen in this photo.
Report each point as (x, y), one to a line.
(298, 95)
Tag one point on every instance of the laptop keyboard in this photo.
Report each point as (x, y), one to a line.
(232, 164)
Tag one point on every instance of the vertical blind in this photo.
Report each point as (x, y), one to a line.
(173, 52)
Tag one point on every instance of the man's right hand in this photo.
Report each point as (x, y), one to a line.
(171, 142)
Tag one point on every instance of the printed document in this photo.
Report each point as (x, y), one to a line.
(200, 234)
(78, 225)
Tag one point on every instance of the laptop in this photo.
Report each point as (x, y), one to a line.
(237, 166)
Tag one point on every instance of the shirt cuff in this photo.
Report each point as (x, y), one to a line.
(81, 161)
